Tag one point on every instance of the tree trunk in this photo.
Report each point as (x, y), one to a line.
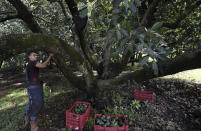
(1, 62)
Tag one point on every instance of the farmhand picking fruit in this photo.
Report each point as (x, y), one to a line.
(35, 89)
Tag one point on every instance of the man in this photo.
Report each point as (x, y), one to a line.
(35, 89)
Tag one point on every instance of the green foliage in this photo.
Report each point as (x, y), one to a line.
(79, 109)
(157, 26)
(185, 37)
(12, 108)
(122, 105)
(90, 123)
(84, 13)
(135, 104)
(107, 121)
(147, 44)
(16, 63)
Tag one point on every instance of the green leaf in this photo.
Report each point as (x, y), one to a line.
(118, 26)
(35, 3)
(138, 2)
(118, 35)
(111, 40)
(155, 68)
(131, 48)
(120, 50)
(126, 4)
(132, 7)
(157, 25)
(124, 32)
(84, 13)
(141, 37)
(144, 60)
(150, 52)
(162, 42)
(139, 47)
(133, 33)
(150, 44)
(123, 42)
(161, 50)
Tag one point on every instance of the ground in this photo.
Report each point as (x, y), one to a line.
(177, 105)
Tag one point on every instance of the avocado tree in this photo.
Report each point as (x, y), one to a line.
(102, 35)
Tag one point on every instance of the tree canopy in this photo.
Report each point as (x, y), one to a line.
(162, 36)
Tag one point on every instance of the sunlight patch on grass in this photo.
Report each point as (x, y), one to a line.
(14, 97)
(12, 108)
(188, 76)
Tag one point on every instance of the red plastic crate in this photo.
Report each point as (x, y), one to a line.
(100, 128)
(76, 121)
(144, 95)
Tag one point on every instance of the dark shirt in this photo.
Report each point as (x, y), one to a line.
(32, 72)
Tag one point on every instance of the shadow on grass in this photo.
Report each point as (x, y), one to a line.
(184, 95)
(12, 119)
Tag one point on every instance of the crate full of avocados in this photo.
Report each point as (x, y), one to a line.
(77, 115)
(110, 123)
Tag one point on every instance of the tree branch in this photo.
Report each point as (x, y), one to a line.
(182, 16)
(9, 17)
(26, 16)
(80, 23)
(6, 12)
(64, 11)
(15, 44)
(143, 7)
(108, 45)
(126, 56)
(149, 14)
(107, 50)
(181, 63)
(88, 53)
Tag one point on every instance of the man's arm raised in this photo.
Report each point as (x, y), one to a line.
(44, 64)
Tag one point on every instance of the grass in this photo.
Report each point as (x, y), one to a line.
(13, 104)
(12, 108)
(187, 76)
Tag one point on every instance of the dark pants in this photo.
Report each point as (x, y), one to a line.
(36, 100)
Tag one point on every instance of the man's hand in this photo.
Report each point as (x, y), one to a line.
(51, 54)
(44, 64)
